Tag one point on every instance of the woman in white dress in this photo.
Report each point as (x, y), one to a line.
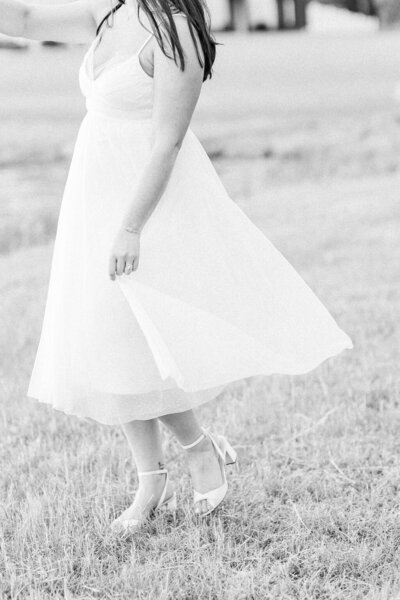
(212, 300)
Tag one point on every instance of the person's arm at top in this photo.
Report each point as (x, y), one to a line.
(175, 96)
(72, 22)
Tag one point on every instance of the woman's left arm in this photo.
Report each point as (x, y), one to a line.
(175, 96)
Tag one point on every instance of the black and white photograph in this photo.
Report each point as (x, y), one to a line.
(199, 299)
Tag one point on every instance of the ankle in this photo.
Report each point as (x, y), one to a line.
(151, 481)
(202, 447)
(152, 470)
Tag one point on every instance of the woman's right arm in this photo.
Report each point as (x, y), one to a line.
(72, 22)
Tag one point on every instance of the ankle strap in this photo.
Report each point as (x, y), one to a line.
(187, 446)
(158, 472)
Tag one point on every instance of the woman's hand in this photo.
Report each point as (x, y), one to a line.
(70, 22)
(125, 253)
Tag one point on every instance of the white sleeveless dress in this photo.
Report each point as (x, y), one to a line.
(213, 301)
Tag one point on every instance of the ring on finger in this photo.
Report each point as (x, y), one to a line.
(128, 267)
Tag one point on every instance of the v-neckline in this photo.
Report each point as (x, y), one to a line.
(104, 69)
(95, 44)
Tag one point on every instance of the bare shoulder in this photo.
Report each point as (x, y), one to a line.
(185, 37)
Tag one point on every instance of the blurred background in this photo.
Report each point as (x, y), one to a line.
(312, 85)
(302, 122)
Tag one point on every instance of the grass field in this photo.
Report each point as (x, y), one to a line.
(308, 145)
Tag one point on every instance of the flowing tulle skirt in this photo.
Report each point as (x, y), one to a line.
(213, 301)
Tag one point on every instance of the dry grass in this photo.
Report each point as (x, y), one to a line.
(313, 511)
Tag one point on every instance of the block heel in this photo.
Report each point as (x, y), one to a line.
(226, 456)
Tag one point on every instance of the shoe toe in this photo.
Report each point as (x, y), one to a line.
(203, 507)
(128, 525)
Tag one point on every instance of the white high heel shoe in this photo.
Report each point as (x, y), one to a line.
(163, 505)
(226, 456)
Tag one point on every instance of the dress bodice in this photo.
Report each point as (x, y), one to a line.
(122, 88)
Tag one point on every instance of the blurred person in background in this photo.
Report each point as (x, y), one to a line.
(211, 301)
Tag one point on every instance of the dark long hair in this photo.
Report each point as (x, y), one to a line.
(160, 15)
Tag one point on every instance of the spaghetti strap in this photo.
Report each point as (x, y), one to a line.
(144, 43)
(152, 34)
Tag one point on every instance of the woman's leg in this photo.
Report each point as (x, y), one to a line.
(144, 439)
(203, 462)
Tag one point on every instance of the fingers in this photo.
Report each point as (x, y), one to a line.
(121, 265)
(112, 265)
(129, 265)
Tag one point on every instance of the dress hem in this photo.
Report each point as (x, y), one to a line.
(222, 384)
